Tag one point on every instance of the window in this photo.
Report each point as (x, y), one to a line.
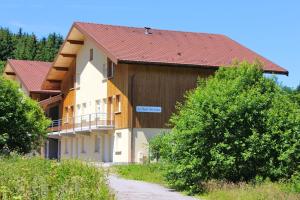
(118, 141)
(110, 107)
(103, 105)
(78, 108)
(98, 106)
(118, 104)
(110, 69)
(66, 146)
(71, 115)
(83, 109)
(82, 145)
(91, 54)
(66, 114)
(97, 144)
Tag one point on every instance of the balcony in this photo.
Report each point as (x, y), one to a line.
(82, 123)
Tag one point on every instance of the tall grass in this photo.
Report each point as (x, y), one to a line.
(152, 173)
(36, 178)
(216, 190)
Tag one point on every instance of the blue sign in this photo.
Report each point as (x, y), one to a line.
(148, 109)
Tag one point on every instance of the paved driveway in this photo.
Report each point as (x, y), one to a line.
(139, 190)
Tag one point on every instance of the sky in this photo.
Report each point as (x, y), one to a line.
(269, 27)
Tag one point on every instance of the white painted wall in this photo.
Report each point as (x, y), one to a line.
(90, 81)
(142, 137)
(89, 153)
(122, 145)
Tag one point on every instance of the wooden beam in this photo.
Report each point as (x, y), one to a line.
(68, 55)
(54, 81)
(76, 42)
(65, 69)
(10, 73)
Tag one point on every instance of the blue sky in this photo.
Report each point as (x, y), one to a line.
(269, 27)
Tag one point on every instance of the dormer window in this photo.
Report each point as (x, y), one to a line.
(91, 54)
(110, 69)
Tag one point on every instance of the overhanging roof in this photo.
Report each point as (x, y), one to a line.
(131, 45)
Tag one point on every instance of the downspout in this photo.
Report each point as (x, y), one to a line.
(132, 112)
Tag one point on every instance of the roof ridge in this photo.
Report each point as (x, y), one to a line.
(12, 59)
(156, 29)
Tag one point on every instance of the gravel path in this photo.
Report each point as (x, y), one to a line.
(139, 190)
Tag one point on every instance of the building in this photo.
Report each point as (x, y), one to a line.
(119, 86)
(30, 76)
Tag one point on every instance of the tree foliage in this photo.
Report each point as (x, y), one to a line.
(22, 121)
(26, 46)
(236, 126)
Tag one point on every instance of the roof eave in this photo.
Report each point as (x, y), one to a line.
(282, 72)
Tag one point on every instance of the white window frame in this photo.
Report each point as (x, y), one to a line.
(67, 114)
(118, 137)
(118, 103)
(97, 144)
(112, 65)
(82, 144)
(66, 147)
(98, 106)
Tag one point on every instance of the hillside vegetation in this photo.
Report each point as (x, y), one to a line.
(26, 46)
(36, 178)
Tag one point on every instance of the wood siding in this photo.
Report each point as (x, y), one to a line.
(118, 85)
(68, 91)
(151, 85)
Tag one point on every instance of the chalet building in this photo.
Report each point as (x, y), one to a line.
(30, 76)
(115, 87)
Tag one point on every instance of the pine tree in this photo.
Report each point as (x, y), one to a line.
(52, 45)
(20, 48)
(27, 47)
(6, 44)
(41, 50)
(31, 47)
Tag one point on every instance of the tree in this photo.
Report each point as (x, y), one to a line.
(26, 47)
(22, 122)
(237, 126)
(41, 50)
(52, 45)
(2, 65)
(6, 44)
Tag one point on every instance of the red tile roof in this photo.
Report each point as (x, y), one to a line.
(127, 44)
(31, 73)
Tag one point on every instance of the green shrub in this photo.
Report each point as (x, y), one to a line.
(23, 124)
(36, 178)
(236, 126)
(158, 146)
(295, 182)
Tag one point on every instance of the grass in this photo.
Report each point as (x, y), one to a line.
(152, 172)
(243, 191)
(37, 178)
(216, 190)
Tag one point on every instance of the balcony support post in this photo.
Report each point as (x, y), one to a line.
(96, 119)
(90, 122)
(73, 125)
(81, 122)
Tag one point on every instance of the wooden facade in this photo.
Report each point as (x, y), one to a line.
(151, 85)
(68, 91)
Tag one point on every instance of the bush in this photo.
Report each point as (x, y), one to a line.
(36, 178)
(23, 124)
(158, 146)
(236, 126)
